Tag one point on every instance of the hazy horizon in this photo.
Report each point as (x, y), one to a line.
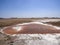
(29, 8)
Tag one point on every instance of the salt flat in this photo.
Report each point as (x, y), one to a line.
(34, 33)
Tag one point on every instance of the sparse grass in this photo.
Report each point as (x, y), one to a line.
(8, 22)
(54, 23)
(13, 21)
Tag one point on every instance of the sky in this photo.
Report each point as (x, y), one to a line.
(29, 8)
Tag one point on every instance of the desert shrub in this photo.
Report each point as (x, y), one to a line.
(8, 22)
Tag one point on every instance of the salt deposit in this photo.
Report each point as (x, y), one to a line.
(17, 28)
(43, 39)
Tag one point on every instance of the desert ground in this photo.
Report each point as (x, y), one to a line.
(30, 31)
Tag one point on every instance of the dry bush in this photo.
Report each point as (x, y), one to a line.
(54, 23)
(8, 22)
